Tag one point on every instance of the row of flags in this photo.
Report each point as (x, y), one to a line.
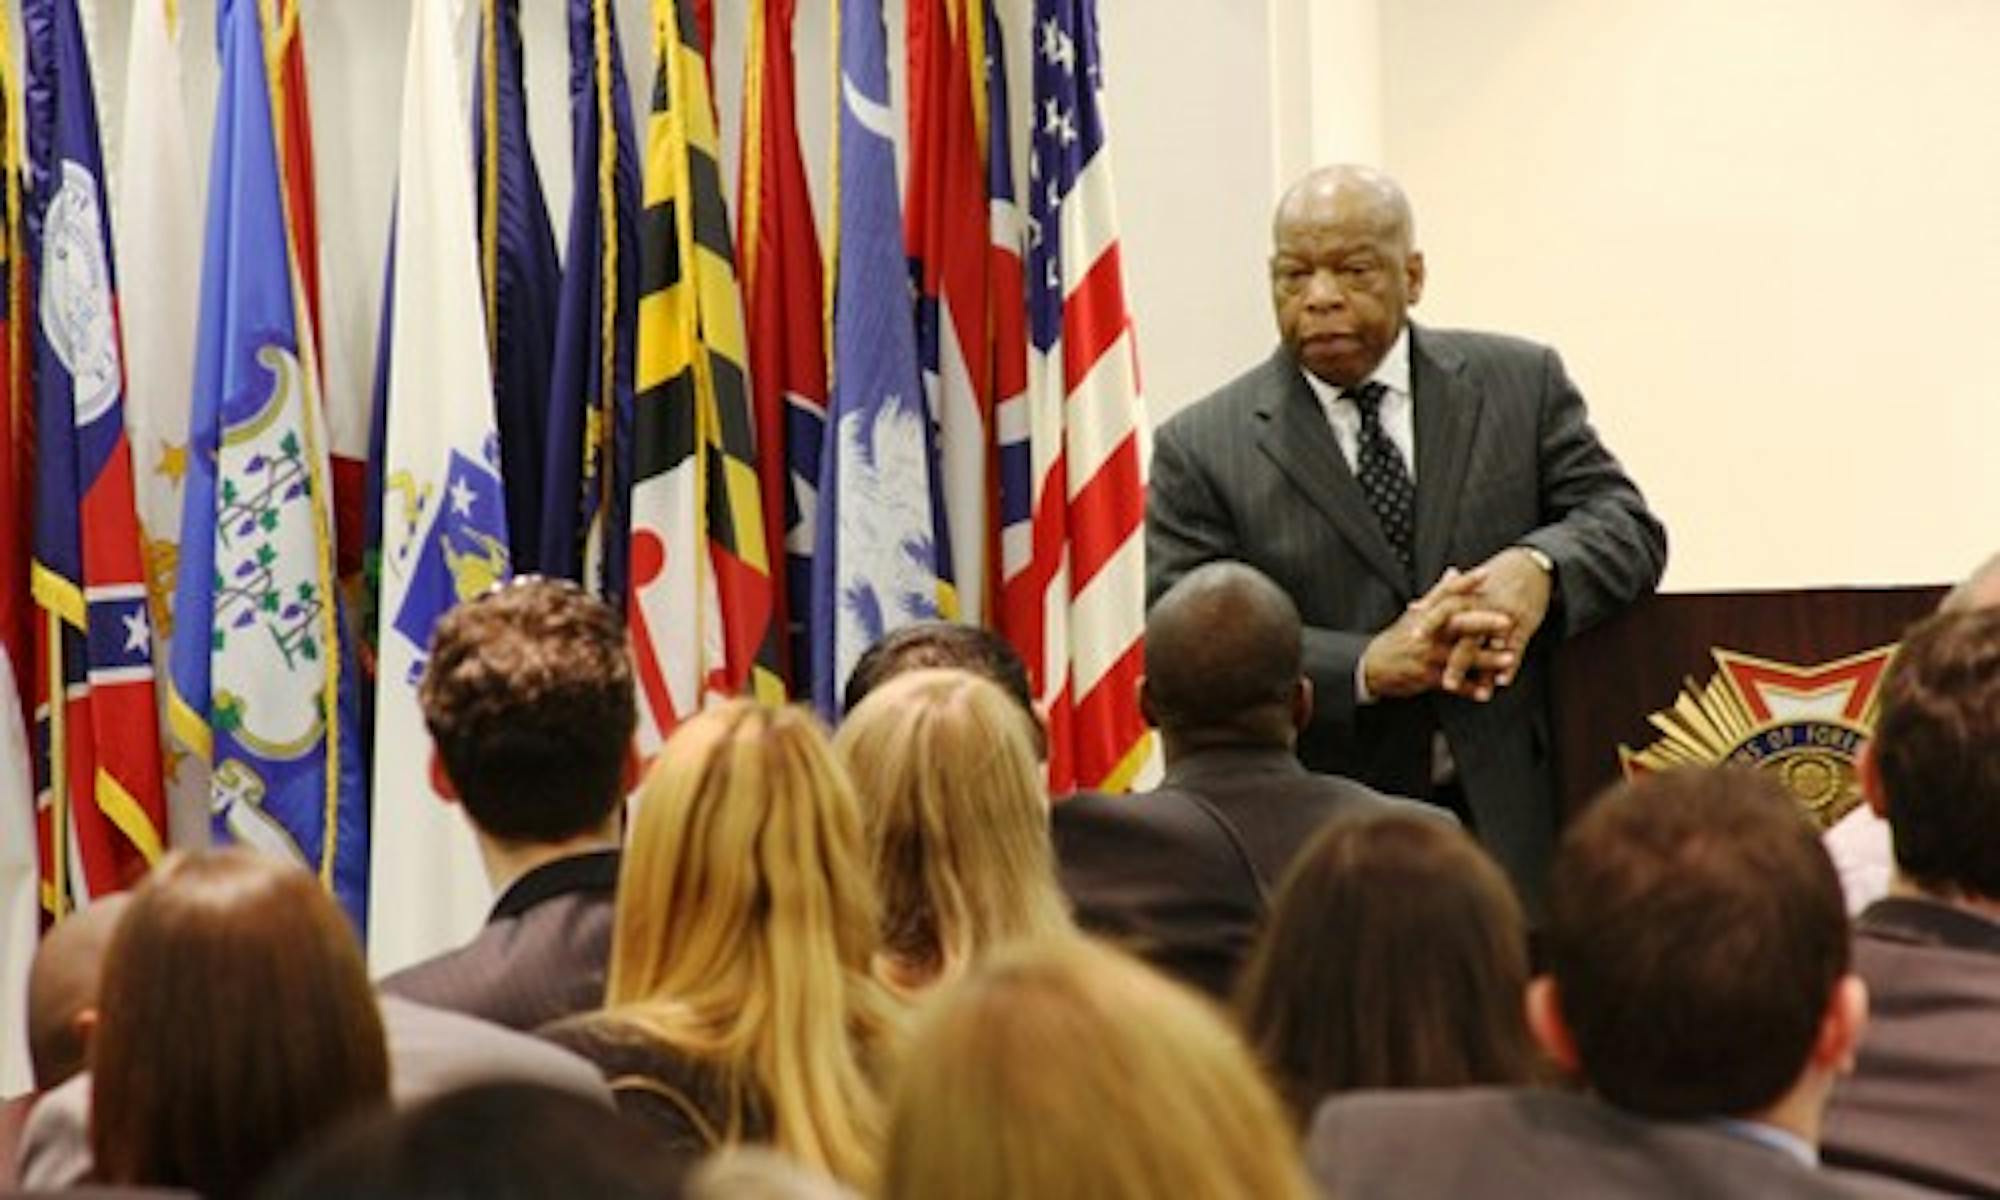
(766, 452)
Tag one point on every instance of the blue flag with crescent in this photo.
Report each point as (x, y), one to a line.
(877, 554)
(262, 661)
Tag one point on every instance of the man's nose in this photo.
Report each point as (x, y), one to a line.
(1323, 290)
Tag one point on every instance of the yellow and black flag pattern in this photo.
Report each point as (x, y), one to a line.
(702, 591)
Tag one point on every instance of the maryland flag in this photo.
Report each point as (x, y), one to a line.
(102, 811)
(701, 591)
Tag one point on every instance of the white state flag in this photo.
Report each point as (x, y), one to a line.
(20, 884)
(158, 226)
(444, 530)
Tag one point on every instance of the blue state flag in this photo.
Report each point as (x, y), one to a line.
(587, 479)
(263, 679)
(877, 554)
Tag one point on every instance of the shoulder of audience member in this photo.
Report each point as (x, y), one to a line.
(435, 1050)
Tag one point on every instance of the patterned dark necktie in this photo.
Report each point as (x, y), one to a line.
(1384, 478)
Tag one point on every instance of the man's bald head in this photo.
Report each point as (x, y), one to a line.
(62, 989)
(1224, 658)
(1360, 193)
(1981, 589)
(1344, 271)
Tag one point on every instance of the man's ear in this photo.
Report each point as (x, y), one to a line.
(1147, 711)
(1413, 276)
(1840, 1029)
(1302, 703)
(441, 779)
(1868, 773)
(632, 770)
(1545, 1021)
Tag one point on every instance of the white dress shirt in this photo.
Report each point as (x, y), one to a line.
(1398, 410)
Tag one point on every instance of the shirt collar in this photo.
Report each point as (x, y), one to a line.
(1393, 372)
(591, 871)
(1782, 1140)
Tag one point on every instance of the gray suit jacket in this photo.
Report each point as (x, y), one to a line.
(1920, 1103)
(541, 956)
(1505, 455)
(1514, 1142)
(431, 1052)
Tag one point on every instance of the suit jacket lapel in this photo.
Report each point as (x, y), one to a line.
(1447, 410)
(1297, 437)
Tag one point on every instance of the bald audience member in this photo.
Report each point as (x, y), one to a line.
(1181, 874)
(1919, 1104)
(62, 1011)
(1859, 841)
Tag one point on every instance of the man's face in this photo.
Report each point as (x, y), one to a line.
(1342, 276)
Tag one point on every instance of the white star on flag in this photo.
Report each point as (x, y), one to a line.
(137, 636)
(461, 498)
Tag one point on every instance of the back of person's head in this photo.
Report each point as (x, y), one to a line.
(63, 982)
(958, 822)
(528, 696)
(745, 925)
(496, 1141)
(1696, 939)
(1225, 658)
(1935, 753)
(1395, 956)
(921, 644)
(236, 1023)
(754, 1173)
(1062, 1069)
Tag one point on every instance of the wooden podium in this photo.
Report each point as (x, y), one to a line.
(1610, 679)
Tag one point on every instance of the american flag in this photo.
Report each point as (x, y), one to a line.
(1087, 426)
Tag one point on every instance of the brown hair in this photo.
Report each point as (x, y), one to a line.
(958, 821)
(528, 695)
(1064, 1070)
(1935, 747)
(235, 1022)
(1396, 956)
(1696, 934)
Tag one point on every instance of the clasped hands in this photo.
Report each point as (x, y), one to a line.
(1466, 636)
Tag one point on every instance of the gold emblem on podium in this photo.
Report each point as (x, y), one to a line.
(1802, 724)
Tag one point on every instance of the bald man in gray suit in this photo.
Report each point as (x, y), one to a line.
(1432, 500)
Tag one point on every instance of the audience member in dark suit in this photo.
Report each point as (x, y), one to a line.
(1180, 874)
(741, 1004)
(1063, 1070)
(528, 696)
(1395, 957)
(1699, 987)
(1921, 1100)
(507, 1141)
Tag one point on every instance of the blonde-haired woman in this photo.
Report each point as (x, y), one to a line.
(1064, 1070)
(740, 1006)
(958, 822)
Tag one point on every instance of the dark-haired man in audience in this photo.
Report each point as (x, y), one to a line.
(1699, 986)
(1920, 1103)
(1181, 873)
(1859, 842)
(528, 696)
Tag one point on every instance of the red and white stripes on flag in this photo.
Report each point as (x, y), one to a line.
(1087, 430)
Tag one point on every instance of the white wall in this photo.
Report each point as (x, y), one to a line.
(1765, 236)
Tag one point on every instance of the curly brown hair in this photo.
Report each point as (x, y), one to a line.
(528, 695)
